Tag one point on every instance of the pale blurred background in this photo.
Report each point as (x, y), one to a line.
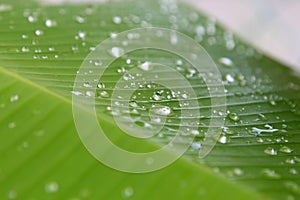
(271, 25)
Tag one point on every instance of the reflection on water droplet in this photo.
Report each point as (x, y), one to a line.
(51, 187)
(270, 151)
(286, 149)
(127, 192)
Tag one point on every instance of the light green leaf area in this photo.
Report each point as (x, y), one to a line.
(257, 155)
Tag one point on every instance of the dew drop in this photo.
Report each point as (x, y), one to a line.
(234, 117)
(133, 104)
(162, 110)
(79, 19)
(227, 62)
(229, 78)
(238, 172)
(38, 32)
(116, 52)
(228, 131)
(51, 187)
(127, 192)
(31, 19)
(100, 85)
(196, 145)
(117, 20)
(12, 194)
(286, 149)
(270, 174)
(270, 151)
(50, 23)
(145, 66)
(12, 125)
(25, 49)
(14, 98)
(104, 94)
(223, 139)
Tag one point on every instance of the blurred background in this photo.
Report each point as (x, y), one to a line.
(272, 26)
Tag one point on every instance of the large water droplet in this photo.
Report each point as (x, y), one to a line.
(286, 149)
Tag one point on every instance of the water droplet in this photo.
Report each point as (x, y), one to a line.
(162, 110)
(127, 192)
(81, 34)
(116, 52)
(51, 187)
(270, 174)
(270, 151)
(286, 149)
(117, 20)
(38, 32)
(79, 19)
(31, 19)
(104, 94)
(272, 102)
(234, 117)
(145, 66)
(14, 98)
(196, 145)
(12, 194)
(223, 139)
(228, 131)
(293, 171)
(5, 7)
(12, 125)
(290, 161)
(156, 96)
(229, 78)
(50, 23)
(100, 85)
(133, 104)
(226, 62)
(25, 49)
(238, 172)
(259, 131)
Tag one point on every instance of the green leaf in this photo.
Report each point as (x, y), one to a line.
(42, 48)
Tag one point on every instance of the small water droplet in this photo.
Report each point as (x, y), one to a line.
(14, 98)
(162, 110)
(117, 20)
(38, 32)
(100, 85)
(234, 117)
(81, 34)
(25, 49)
(127, 192)
(133, 104)
(286, 149)
(228, 131)
(270, 174)
(12, 194)
(223, 139)
(50, 23)
(238, 172)
(104, 94)
(12, 125)
(227, 62)
(156, 96)
(116, 52)
(290, 161)
(270, 151)
(196, 145)
(293, 171)
(79, 19)
(145, 66)
(31, 19)
(229, 78)
(51, 187)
